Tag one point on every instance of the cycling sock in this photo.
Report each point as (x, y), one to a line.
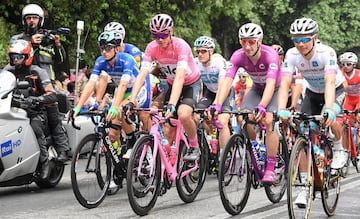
(194, 142)
(338, 145)
(271, 163)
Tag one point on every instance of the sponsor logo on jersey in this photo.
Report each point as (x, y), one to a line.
(332, 62)
(315, 63)
(262, 66)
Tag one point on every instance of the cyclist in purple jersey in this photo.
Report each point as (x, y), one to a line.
(176, 61)
(263, 65)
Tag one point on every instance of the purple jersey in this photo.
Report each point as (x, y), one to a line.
(268, 66)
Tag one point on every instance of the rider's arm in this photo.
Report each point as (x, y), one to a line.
(268, 91)
(284, 91)
(120, 92)
(330, 90)
(177, 86)
(88, 90)
(139, 81)
(101, 88)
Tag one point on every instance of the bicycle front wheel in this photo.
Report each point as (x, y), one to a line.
(234, 177)
(331, 189)
(300, 181)
(276, 190)
(90, 171)
(189, 186)
(143, 176)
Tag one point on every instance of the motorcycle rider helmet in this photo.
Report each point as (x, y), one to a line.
(161, 23)
(250, 30)
(304, 26)
(115, 26)
(204, 41)
(32, 10)
(19, 49)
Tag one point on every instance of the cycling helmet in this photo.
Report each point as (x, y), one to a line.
(115, 26)
(250, 30)
(304, 26)
(349, 57)
(108, 38)
(204, 41)
(278, 49)
(241, 72)
(21, 47)
(161, 23)
(33, 9)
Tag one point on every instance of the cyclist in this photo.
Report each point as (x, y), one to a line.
(21, 57)
(325, 93)
(175, 58)
(242, 86)
(352, 75)
(123, 70)
(263, 65)
(213, 70)
(45, 53)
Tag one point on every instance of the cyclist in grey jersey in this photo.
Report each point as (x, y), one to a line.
(212, 73)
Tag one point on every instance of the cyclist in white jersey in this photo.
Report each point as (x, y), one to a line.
(176, 61)
(325, 93)
(213, 70)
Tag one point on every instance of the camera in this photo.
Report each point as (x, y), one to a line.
(49, 35)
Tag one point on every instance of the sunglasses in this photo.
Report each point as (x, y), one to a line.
(160, 35)
(107, 47)
(202, 51)
(29, 17)
(347, 64)
(251, 42)
(242, 76)
(301, 39)
(17, 56)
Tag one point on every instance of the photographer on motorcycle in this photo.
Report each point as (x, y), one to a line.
(40, 94)
(47, 49)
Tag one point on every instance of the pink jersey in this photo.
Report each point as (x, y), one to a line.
(177, 55)
(268, 66)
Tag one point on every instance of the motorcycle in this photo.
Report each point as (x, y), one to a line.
(20, 152)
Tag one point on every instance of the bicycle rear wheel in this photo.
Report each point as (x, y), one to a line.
(331, 190)
(356, 160)
(234, 177)
(297, 186)
(276, 190)
(90, 171)
(143, 179)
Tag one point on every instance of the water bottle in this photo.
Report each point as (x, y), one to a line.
(165, 142)
(173, 154)
(321, 159)
(214, 142)
(317, 154)
(353, 131)
(115, 145)
(262, 154)
(256, 149)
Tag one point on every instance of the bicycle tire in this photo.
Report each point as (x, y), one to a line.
(294, 181)
(232, 171)
(331, 191)
(276, 191)
(356, 160)
(140, 186)
(189, 186)
(90, 152)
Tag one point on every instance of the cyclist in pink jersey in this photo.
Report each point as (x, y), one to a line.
(176, 61)
(263, 65)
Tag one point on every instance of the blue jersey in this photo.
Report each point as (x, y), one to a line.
(135, 52)
(125, 68)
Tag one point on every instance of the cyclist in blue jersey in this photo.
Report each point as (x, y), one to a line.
(123, 70)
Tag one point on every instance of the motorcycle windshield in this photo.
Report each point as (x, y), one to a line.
(7, 82)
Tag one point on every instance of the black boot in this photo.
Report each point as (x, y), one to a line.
(62, 157)
(44, 170)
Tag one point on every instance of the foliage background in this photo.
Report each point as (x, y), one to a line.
(338, 20)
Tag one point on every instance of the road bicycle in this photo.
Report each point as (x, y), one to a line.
(314, 166)
(349, 140)
(241, 168)
(93, 160)
(151, 172)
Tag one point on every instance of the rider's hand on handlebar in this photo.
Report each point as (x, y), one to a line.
(73, 113)
(213, 110)
(330, 117)
(261, 112)
(284, 114)
(169, 110)
(127, 108)
(113, 113)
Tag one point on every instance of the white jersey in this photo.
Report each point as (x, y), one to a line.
(210, 75)
(323, 62)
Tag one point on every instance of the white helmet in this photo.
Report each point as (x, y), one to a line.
(241, 72)
(161, 23)
(250, 30)
(33, 9)
(349, 57)
(115, 26)
(204, 41)
(304, 26)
